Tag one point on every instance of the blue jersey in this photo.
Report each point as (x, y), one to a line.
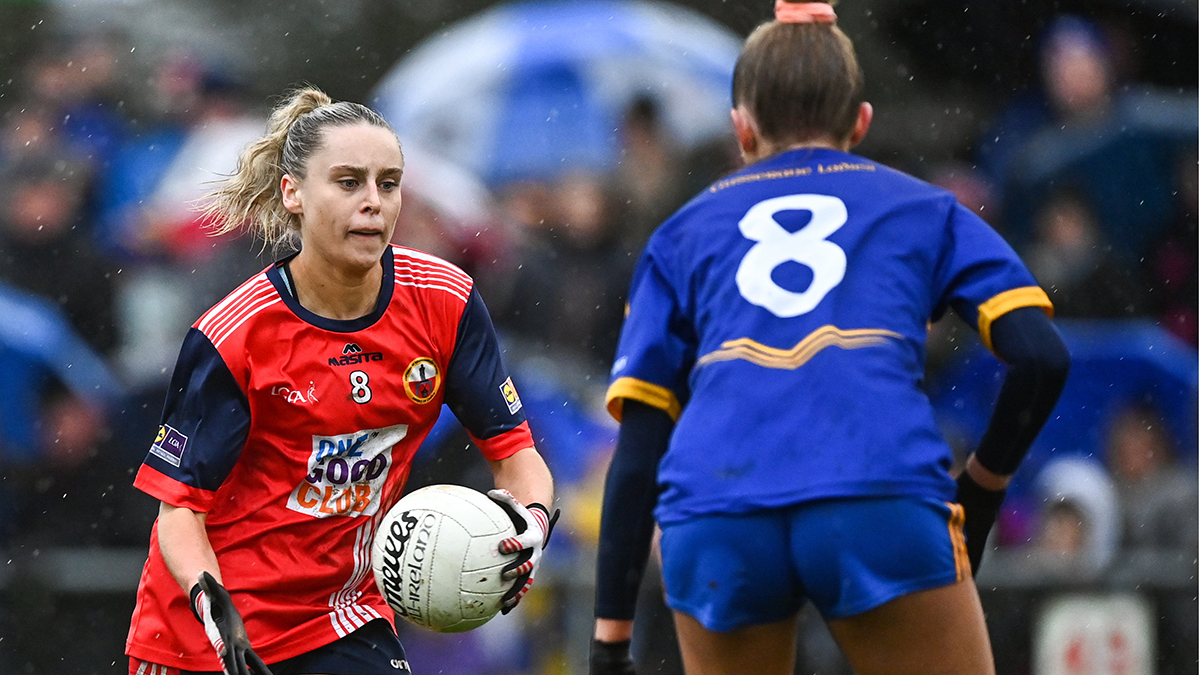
(780, 317)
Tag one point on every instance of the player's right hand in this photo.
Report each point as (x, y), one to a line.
(534, 525)
(223, 625)
(611, 658)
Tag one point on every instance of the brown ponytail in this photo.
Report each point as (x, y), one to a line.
(251, 197)
(800, 81)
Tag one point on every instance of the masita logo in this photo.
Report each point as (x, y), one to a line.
(352, 354)
(347, 473)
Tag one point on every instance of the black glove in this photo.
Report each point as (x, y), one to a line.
(981, 507)
(611, 658)
(223, 625)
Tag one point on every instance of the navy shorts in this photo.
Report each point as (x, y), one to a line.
(373, 649)
(845, 555)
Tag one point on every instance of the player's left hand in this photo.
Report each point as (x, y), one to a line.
(980, 507)
(610, 658)
(534, 524)
(223, 625)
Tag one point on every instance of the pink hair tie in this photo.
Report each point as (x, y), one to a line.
(804, 12)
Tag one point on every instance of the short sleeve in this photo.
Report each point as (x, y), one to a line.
(479, 390)
(205, 423)
(980, 276)
(657, 346)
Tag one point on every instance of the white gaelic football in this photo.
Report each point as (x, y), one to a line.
(436, 560)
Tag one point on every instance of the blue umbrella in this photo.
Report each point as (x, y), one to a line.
(530, 89)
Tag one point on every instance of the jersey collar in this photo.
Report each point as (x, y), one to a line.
(387, 285)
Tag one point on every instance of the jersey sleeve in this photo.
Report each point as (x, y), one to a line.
(980, 276)
(657, 346)
(205, 423)
(479, 390)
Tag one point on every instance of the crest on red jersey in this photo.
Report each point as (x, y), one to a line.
(421, 380)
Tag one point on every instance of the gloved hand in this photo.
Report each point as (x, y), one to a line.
(223, 625)
(534, 524)
(611, 658)
(981, 506)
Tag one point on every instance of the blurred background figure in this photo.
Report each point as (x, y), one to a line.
(1114, 141)
(1079, 527)
(1173, 262)
(150, 218)
(78, 79)
(1157, 494)
(1078, 78)
(648, 173)
(1077, 266)
(451, 213)
(568, 292)
(46, 247)
(57, 401)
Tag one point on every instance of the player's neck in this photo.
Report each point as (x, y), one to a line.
(763, 149)
(334, 293)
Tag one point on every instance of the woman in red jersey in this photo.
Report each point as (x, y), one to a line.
(295, 409)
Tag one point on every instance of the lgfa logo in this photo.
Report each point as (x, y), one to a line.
(295, 395)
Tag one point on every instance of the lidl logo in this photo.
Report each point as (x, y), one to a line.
(510, 396)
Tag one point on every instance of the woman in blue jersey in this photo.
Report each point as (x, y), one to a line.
(768, 384)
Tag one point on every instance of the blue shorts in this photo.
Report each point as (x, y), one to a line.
(845, 555)
(373, 649)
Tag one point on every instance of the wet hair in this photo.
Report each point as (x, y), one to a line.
(800, 82)
(250, 198)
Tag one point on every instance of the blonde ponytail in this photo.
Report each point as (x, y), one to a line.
(251, 197)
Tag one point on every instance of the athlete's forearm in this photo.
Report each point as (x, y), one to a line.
(526, 476)
(1038, 363)
(627, 518)
(183, 541)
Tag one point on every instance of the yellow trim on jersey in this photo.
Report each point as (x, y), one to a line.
(643, 391)
(791, 359)
(962, 562)
(1003, 303)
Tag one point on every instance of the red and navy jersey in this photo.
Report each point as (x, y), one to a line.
(295, 433)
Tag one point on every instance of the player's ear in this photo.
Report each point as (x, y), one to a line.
(290, 187)
(865, 114)
(746, 130)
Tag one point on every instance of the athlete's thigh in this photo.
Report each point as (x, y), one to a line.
(939, 631)
(762, 649)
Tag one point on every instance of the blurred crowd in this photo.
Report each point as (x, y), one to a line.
(105, 262)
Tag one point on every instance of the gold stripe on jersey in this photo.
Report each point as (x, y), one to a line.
(1003, 303)
(791, 359)
(962, 562)
(645, 392)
